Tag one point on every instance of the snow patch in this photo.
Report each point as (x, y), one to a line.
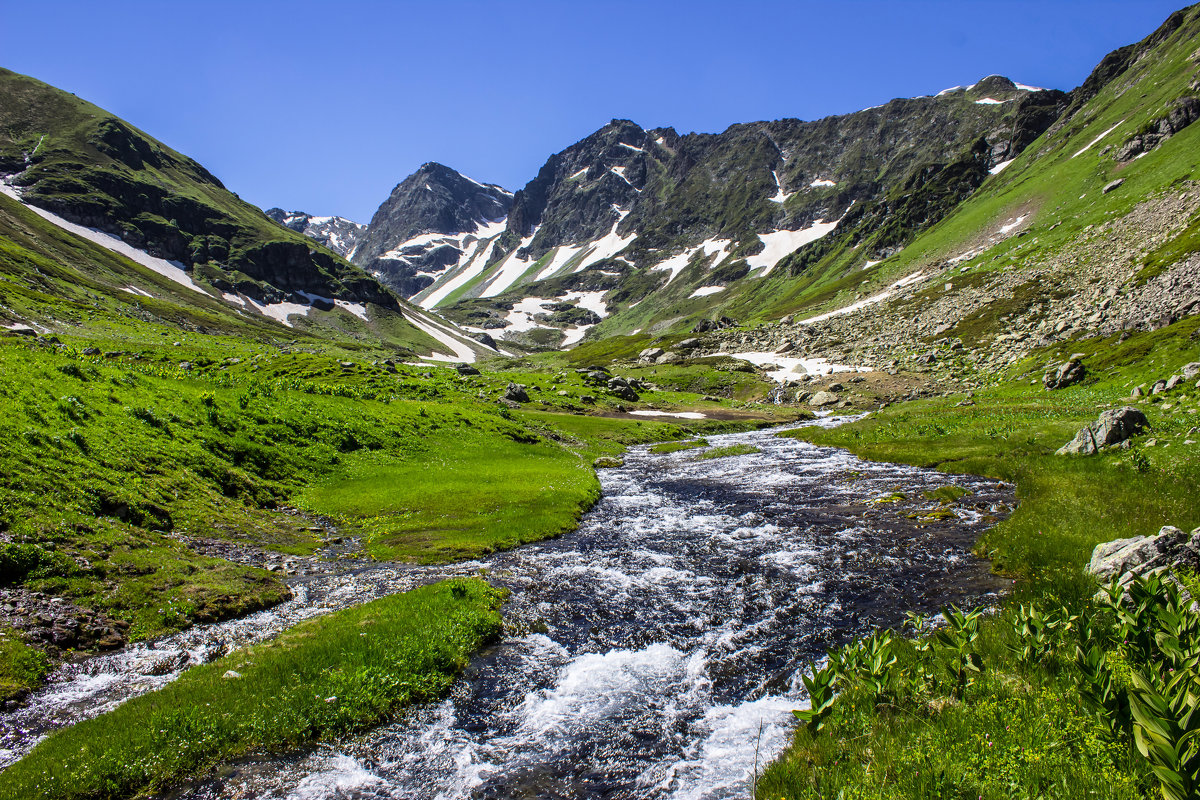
(907, 280)
(631, 147)
(790, 367)
(1090, 144)
(822, 182)
(136, 290)
(592, 301)
(444, 334)
(778, 244)
(1003, 165)
(705, 291)
(1006, 228)
(280, 312)
(172, 270)
(649, 412)
(579, 174)
(989, 101)
(1027, 88)
(780, 195)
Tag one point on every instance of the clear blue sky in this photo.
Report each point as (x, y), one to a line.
(325, 106)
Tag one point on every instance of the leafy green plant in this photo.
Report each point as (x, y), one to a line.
(820, 697)
(957, 642)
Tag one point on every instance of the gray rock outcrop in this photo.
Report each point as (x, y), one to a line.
(1124, 559)
(1067, 374)
(1113, 427)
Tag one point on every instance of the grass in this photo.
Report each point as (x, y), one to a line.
(1020, 729)
(326, 677)
(21, 666)
(505, 493)
(729, 450)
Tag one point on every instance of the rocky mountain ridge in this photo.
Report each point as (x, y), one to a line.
(337, 233)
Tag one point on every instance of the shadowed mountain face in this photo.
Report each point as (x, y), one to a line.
(433, 200)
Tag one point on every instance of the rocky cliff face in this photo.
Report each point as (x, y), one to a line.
(427, 225)
(337, 233)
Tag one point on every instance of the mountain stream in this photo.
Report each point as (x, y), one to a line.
(655, 652)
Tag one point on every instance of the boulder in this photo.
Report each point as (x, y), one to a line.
(1139, 555)
(1067, 374)
(607, 462)
(515, 393)
(1159, 387)
(650, 353)
(1190, 371)
(1113, 427)
(1108, 187)
(1173, 382)
(1118, 424)
(689, 344)
(822, 399)
(466, 369)
(625, 392)
(670, 357)
(1084, 444)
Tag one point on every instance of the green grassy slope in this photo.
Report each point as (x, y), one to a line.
(82, 162)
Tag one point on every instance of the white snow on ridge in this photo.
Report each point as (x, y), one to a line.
(509, 270)
(822, 182)
(989, 101)
(579, 174)
(631, 147)
(450, 280)
(606, 246)
(443, 333)
(172, 270)
(620, 172)
(705, 291)
(1090, 144)
(1003, 165)
(559, 260)
(778, 244)
(1024, 87)
(945, 92)
(592, 301)
(675, 264)
(780, 195)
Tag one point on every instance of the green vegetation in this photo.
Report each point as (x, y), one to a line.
(21, 666)
(675, 447)
(334, 675)
(729, 450)
(993, 707)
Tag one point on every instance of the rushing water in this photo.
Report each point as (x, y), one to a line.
(653, 653)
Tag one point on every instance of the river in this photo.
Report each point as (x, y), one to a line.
(655, 652)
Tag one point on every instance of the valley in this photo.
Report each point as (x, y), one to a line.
(781, 461)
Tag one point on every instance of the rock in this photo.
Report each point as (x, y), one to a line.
(625, 392)
(1067, 374)
(823, 399)
(485, 339)
(1190, 371)
(1159, 387)
(1084, 444)
(650, 353)
(1141, 554)
(587, 398)
(608, 462)
(1172, 382)
(95, 351)
(670, 357)
(1118, 424)
(1138, 391)
(689, 344)
(1113, 185)
(515, 393)
(466, 369)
